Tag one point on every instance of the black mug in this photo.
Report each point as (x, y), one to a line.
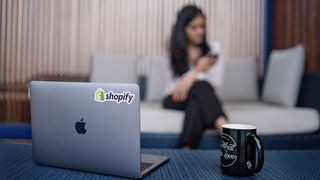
(239, 147)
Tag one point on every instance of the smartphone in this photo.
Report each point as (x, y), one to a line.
(213, 57)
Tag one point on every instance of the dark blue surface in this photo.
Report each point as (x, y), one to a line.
(19, 131)
(267, 32)
(16, 163)
(303, 141)
(309, 95)
(267, 42)
(142, 81)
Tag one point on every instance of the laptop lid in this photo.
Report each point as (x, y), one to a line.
(87, 126)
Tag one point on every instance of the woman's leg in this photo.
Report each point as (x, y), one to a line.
(202, 110)
(168, 103)
(209, 104)
(193, 126)
(221, 120)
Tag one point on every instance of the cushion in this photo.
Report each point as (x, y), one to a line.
(269, 119)
(274, 119)
(114, 69)
(239, 80)
(156, 84)
(284, 75)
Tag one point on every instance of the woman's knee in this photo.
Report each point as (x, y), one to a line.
(168, 103)
(202, 86)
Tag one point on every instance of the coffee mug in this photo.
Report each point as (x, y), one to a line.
(239, 147)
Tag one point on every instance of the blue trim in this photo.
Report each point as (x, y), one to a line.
(18, 131)
(211, 141)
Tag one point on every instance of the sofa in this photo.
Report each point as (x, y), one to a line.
(285, 110)
(273, 110)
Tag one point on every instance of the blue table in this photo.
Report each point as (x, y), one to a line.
(16, 163)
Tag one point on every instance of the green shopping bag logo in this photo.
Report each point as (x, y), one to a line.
(100, 95)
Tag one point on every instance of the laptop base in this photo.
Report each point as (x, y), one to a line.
(151, 161)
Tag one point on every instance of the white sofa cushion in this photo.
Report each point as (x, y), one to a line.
(284, 75)
(239, 80)
(274, 119)
(269, 119)
(114, 69)
(156, 83)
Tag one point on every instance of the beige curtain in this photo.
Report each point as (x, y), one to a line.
(59, 36)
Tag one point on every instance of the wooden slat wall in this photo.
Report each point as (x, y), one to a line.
(57, 37)
(298, 21)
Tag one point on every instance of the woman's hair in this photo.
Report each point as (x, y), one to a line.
(179, 41)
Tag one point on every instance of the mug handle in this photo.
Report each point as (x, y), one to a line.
(260, 149)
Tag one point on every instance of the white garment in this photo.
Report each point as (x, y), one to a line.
(213, 76)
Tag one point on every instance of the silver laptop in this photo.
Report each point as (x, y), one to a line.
(89, 126)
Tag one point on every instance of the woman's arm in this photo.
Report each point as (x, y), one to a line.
(198, 72)
(182, 88)
(204, 63)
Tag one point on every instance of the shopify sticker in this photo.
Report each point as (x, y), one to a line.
(102, 96)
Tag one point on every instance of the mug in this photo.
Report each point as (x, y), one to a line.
(239, 147)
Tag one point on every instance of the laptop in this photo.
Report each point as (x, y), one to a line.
(89, 126)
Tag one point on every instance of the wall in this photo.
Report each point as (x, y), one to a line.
(298, 21)
(55, 38)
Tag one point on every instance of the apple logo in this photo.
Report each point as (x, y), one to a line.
(80, 127)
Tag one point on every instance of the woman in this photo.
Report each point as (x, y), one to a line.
(189, 91)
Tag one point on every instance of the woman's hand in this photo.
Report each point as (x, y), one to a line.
(204, 63)
(181, 91)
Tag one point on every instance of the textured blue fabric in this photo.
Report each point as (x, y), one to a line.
(16, 163)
